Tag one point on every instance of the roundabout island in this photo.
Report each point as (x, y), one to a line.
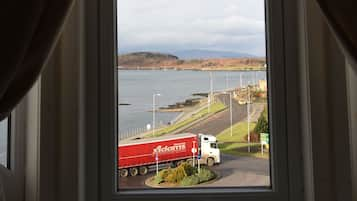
(184, 175)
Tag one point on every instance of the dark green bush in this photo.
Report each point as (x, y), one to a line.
(189, 170)
(262, 125)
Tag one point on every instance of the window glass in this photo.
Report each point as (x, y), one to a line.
(192, 91)
(4, 142)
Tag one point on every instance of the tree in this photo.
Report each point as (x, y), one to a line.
(262, 124)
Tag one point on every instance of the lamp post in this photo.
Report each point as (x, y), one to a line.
(226, 81)
(157, 161)
(153, 113)
(210, 95)
(240, 80)
(230, 110)
(255, 78)
(248, 116)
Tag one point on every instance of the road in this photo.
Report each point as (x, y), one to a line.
(234, 171)
(219, 122)
(241, 171)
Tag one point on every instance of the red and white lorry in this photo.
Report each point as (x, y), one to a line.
(135, 157)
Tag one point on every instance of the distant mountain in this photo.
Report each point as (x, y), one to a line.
(145, 59)
(152, 60)
(209, 54)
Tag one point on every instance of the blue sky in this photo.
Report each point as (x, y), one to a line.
(171, 25)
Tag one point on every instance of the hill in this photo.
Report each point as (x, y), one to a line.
(210, 54)
(143, 59)
(150, 60)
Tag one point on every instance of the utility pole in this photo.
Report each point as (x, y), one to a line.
(226, 81)
(231, 111)
(211, 76)
(157, 161)
(255, 76)
(210, 95)
(153, 113)
(248, 117)
(240, 80)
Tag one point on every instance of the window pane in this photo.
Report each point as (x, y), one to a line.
(3, 142)
(192, 100)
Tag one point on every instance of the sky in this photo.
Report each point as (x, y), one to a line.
(175, 25)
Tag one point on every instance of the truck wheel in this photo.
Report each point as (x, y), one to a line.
(123, 173)
(170, 165)
(210, 162)
(133, 171)
(143, 170)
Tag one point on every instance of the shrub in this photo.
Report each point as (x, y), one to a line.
(205, 175)
(184, 174)
(163, 174)
(189, 170)
(176, 175)
(190, 180)
(262, 125)
(158, 180)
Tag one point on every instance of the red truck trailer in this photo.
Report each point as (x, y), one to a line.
(134, 157)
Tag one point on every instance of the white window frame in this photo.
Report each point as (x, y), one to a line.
(8, 141)
(286, 174)
(24, 128)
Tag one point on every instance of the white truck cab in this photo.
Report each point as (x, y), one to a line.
(208, 150)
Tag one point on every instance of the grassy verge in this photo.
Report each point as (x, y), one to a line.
(236, 144)
(240, 130)
(216, 107)
(241, 149)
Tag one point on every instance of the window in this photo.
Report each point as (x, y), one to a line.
(4, 142)
(12, 143)
(276, 77)
(186, 84)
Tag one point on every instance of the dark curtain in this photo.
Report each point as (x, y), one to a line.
(341, 16)
(29, 30)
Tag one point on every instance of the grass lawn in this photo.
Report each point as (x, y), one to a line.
(241, 149)
(239, 131)
(216, 107)
(237, 145)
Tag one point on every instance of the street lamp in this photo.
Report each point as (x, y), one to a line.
(153, 113)
(226, 81)
(230, 110)
(240, 80)
(210, 95)
(248, 116)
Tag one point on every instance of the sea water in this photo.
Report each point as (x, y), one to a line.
(136, 88)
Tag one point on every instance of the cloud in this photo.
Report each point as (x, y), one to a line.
(233, 25)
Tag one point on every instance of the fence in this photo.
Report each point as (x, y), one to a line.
(136, 131)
